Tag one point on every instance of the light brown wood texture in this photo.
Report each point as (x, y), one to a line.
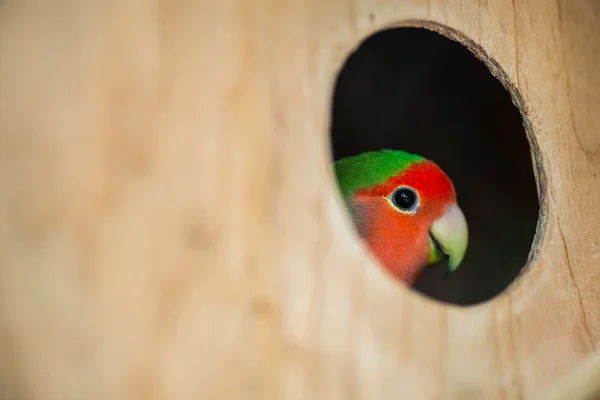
(582, 383)
(171, 227)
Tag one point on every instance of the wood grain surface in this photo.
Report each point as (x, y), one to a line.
(171, 228)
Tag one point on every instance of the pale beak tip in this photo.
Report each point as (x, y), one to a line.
(453, 264)
(451, 232)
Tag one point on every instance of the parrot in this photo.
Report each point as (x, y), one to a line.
(404, 207)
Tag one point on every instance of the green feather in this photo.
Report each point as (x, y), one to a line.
(371, 168)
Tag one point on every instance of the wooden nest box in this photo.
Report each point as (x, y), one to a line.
(172, 230)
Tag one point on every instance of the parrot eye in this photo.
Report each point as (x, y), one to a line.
(405, 199)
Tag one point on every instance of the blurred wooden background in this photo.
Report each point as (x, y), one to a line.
(171, 227)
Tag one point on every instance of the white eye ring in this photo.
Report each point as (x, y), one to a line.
(405, 199)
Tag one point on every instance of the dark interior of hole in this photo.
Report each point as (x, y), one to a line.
(415, 90)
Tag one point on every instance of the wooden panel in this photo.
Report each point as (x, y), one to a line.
(172, 230)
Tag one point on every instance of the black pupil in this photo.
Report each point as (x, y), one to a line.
(404, 198)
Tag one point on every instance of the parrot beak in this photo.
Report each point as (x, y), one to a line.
(449, 237)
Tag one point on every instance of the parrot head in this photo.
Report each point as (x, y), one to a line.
(404, 207)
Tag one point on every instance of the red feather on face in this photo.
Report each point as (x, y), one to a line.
(401, 240)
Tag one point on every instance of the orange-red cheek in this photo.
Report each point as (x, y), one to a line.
(399, 241)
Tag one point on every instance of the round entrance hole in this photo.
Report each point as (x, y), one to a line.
(415, 90)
